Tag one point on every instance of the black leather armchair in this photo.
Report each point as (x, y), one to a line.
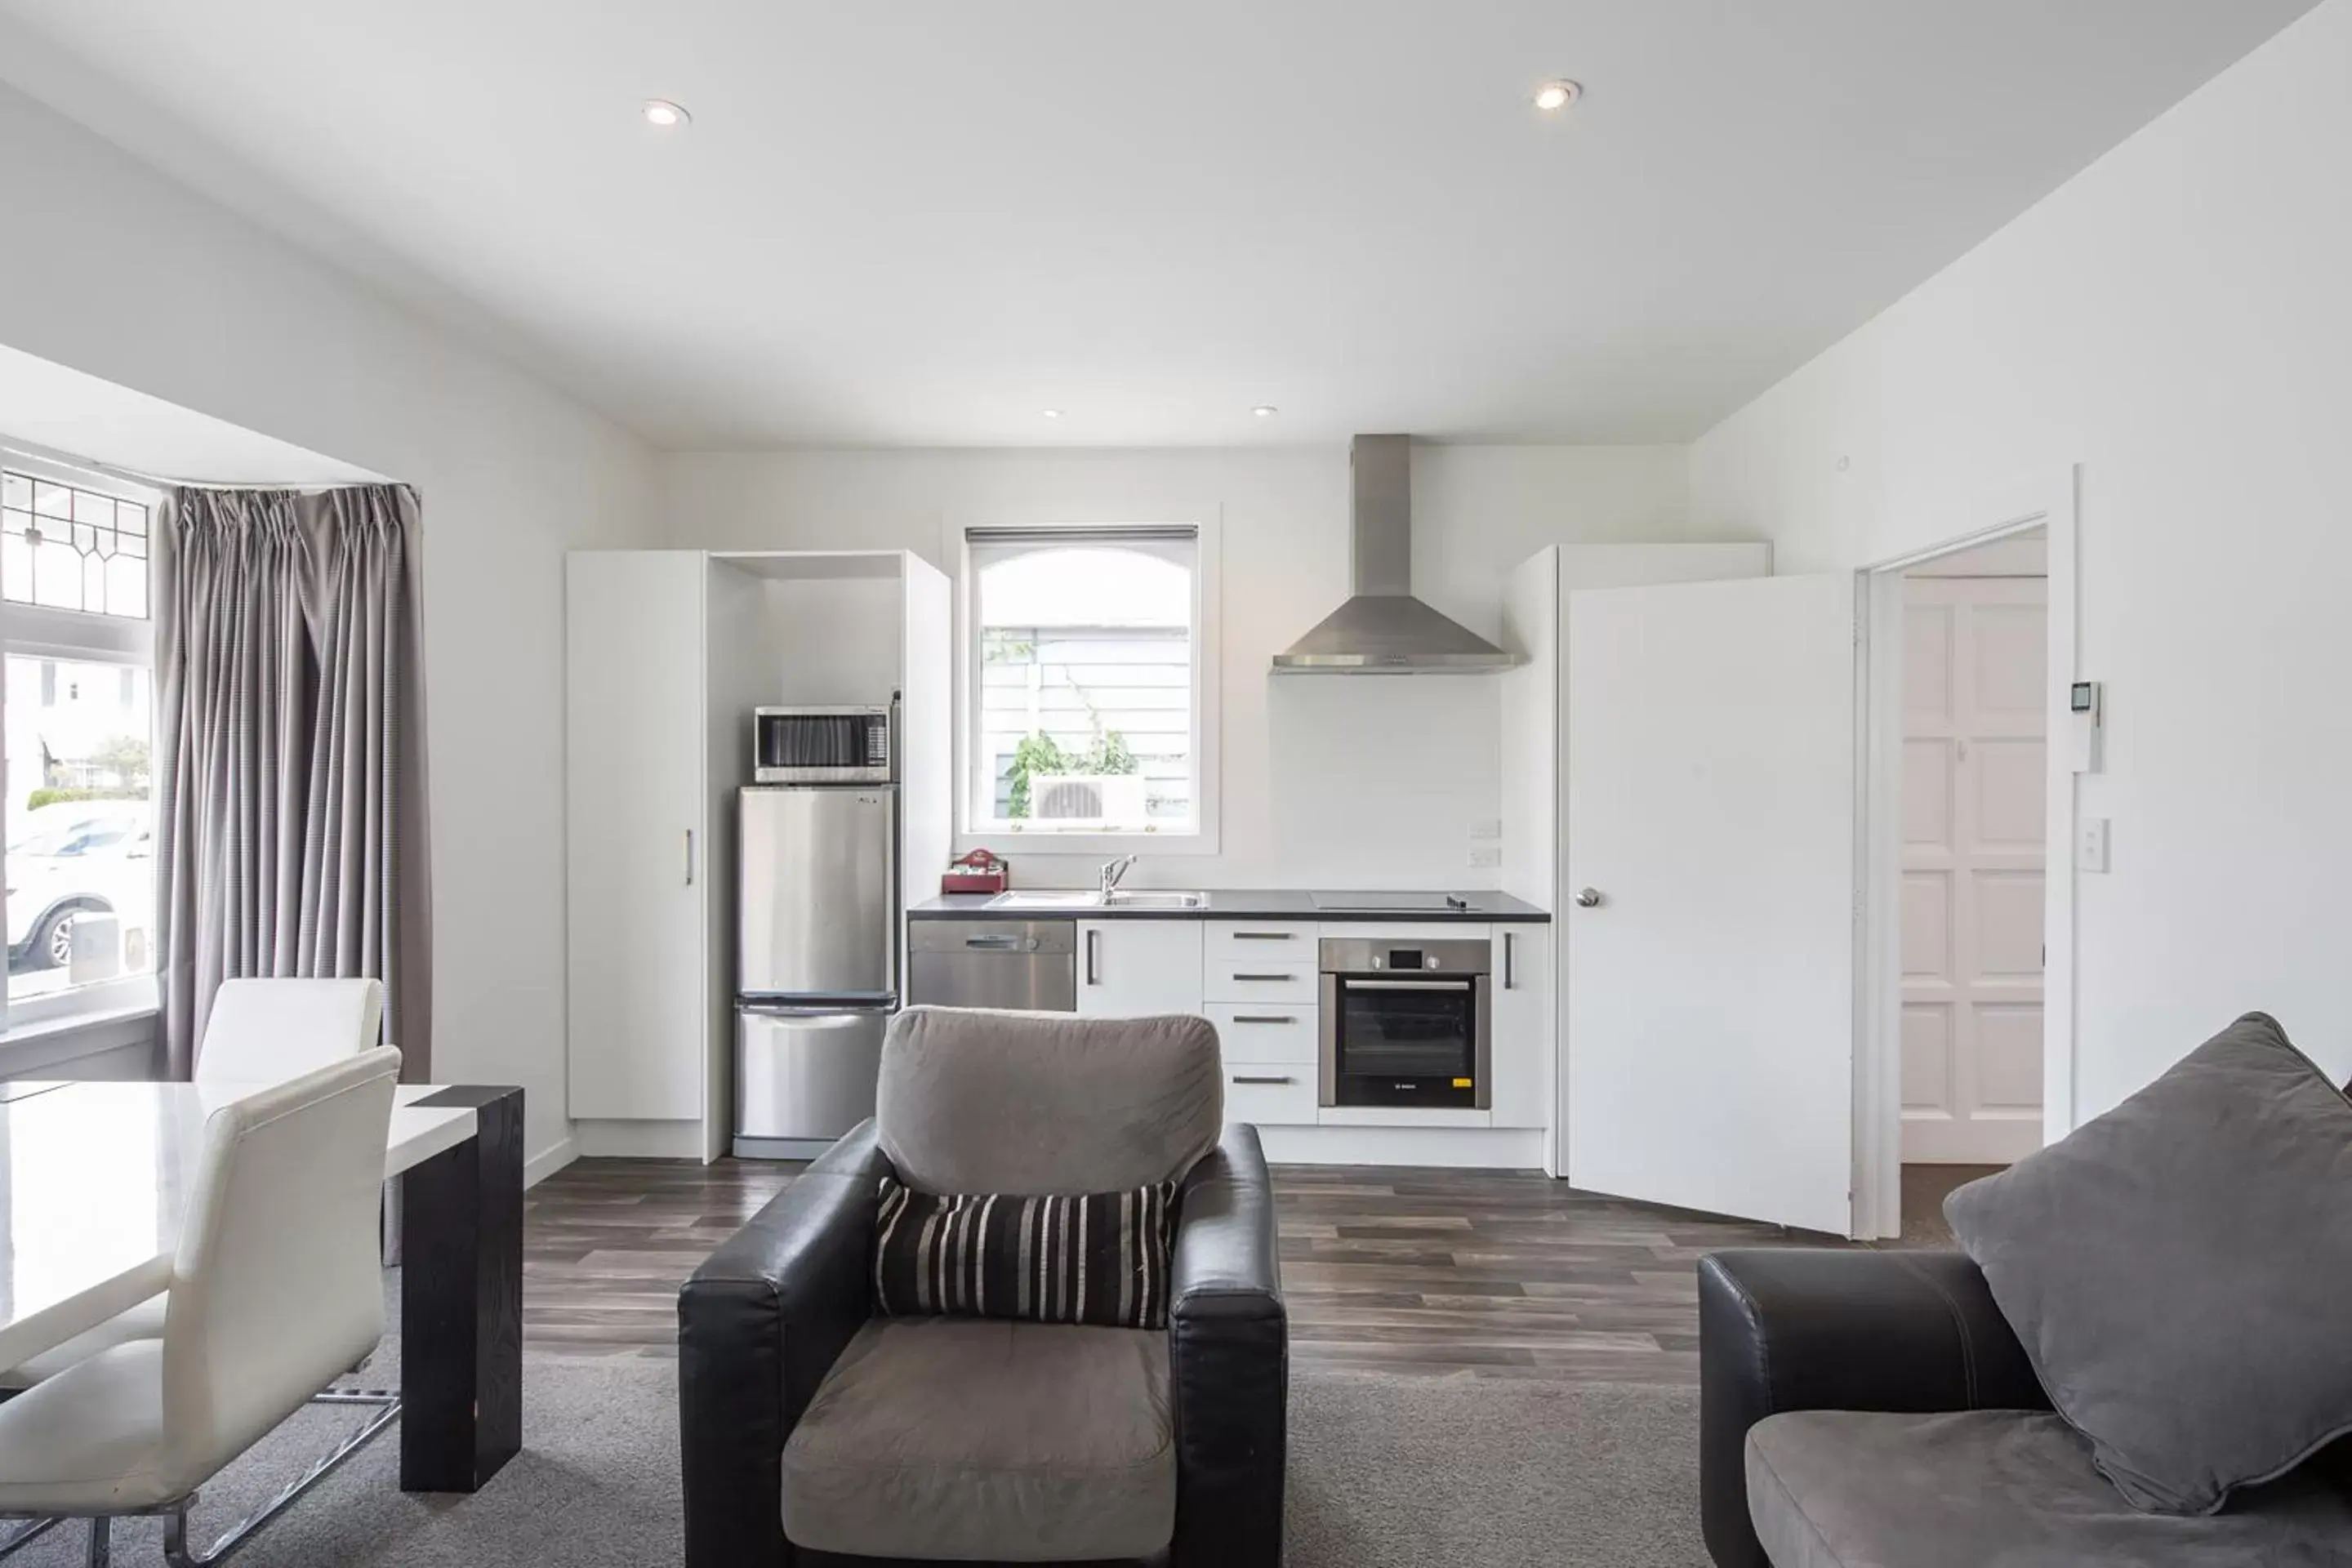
(762, 1323)
(1807, 1328)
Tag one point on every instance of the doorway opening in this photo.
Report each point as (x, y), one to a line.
(1973, 849)
(1965, 1058)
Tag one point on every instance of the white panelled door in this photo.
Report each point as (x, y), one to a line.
(1974, 729)
(1710, 989)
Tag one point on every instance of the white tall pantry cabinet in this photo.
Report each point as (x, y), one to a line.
(667, 652)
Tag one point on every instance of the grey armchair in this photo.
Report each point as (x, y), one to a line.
(815, 1432)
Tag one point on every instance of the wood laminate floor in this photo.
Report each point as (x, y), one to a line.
(1476, 1273)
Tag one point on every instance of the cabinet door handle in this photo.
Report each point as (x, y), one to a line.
(1265, 979)
(1266, 936)
(1510, 962)
(1264, 1018)
(1093, 958)
(689, 857)
(1241, 1078)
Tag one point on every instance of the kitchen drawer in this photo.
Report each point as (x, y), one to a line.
(1253, 977)
(1271, 1095)
(1244, 944)
(1265, 1032)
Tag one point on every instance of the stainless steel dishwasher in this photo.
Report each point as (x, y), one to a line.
(1030, 964)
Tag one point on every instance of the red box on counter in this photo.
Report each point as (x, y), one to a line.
(982, 871)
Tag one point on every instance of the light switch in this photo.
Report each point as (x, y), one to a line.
(2090, 843)
(1486, 854)
(1487, 827)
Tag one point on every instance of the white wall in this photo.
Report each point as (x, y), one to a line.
(2178, 321)
(112, 270)
(1342, 781)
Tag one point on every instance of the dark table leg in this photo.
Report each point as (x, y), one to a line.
(461, 1301)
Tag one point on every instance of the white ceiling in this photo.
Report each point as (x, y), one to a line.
(920, 222)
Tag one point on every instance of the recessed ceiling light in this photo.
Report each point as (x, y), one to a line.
(1266, 411)
(1558, 94)
(1051, 413)
(661, 111)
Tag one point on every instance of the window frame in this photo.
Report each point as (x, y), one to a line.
(1205, 706)
(83, 636)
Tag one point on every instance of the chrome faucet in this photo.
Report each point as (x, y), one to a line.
(1112, 871)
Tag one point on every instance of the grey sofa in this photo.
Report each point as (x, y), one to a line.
(1875, 1408)
(815, 1432)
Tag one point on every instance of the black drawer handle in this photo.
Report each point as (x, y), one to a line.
(1269, 1082)
(1266, 936)
(1264, 1018)
(1266, 979)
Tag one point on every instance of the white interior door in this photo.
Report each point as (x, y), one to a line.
(1711, 809)
(1974, 735)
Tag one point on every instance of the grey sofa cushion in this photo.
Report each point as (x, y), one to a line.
(2175, 1269)
(2001, 1488)
(957, 1438)
(1023, 1103)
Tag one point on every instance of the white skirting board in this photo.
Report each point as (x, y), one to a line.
(638, 1140)
(549, 1161)
(1466, 1148)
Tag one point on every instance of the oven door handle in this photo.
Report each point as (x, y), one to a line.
(1465, 982)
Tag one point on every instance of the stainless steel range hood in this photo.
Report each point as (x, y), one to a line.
(1383, 629)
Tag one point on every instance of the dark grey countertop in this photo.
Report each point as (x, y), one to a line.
(1247, 904)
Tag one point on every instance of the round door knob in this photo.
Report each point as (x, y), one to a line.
(1588, 898)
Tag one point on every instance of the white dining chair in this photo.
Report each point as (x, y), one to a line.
(266, 1031)
(275, 1294)
(261, 1032)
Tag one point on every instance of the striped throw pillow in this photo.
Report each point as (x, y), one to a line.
(1095, 1257)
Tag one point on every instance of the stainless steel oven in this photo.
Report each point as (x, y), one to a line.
(1406, 1023)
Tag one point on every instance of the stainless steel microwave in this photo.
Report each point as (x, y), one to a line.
(821, 745)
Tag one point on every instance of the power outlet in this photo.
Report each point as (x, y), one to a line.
(1484, 855)
(1487, 827)
(2090, 843)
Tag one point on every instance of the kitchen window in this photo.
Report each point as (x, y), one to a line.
(77, 704)
(1088, 717)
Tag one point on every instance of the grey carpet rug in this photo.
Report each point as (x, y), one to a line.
(1387, 1471)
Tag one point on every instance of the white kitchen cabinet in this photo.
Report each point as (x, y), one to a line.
(1260, 1032)
(666, 653)
(1519, 995)
(1132, 968)
(1245, 944)
(637, 845)
(1252, 978)
(1270, 1094)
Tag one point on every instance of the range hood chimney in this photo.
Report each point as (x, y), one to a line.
(1383, 629)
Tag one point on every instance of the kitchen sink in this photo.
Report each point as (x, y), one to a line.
(1047, 899)
(1145, 899)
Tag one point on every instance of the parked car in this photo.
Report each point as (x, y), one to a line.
(71, 859)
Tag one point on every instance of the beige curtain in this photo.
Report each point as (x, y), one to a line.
(291, 773)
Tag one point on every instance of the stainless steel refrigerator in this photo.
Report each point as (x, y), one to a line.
(816, 975)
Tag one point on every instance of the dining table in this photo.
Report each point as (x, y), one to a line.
(95, 1179)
